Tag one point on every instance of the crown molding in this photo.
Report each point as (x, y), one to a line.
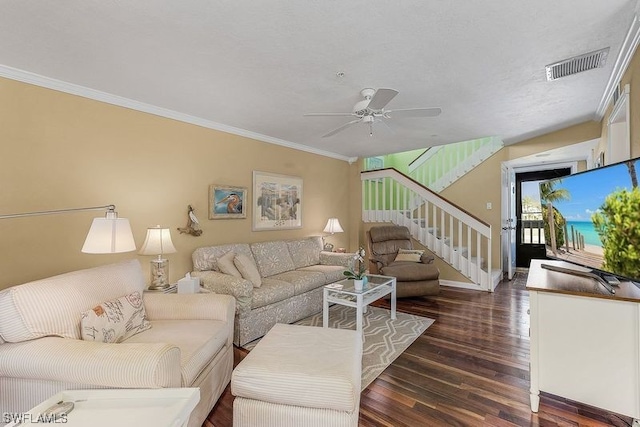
(85, 92)
(622, 62)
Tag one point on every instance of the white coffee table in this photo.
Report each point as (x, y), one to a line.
(344, 293)
(168, 407)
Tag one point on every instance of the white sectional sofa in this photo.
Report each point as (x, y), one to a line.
(185, 339)
(291, 276)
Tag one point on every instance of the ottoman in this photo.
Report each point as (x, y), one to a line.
(299, 376)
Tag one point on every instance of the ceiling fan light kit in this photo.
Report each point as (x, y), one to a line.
(371, 110)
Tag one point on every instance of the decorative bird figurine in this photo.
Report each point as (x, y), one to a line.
(193, 225)
(234, 203)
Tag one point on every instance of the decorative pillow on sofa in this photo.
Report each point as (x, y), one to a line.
(248, 269)
(227, 266)
(412, 255)
(115, 321)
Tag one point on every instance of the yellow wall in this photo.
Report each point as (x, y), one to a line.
(631, 77)
(63, 151)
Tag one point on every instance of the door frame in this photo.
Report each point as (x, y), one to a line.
(509, 174)
(526, 252)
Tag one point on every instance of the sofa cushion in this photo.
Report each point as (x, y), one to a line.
(305, 252)
(332, 273)
(272, 257)
(199, 342)
(116, 320)
(248, 269)
(54, 306)
(206, 258)
(302, 280)
(270, 292)
(226, 264)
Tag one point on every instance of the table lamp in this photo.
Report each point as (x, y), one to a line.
(158, 242)
(333, 226)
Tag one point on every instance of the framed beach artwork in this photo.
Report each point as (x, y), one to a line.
(227, 202)
(277, 201)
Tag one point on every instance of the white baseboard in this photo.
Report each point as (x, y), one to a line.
(463, 285)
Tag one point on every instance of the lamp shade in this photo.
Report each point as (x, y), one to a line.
(333, 226)
(157, 242)
(109, 235)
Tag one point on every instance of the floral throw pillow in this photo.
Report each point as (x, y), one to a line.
(115, 321)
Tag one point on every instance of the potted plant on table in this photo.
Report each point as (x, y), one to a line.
(357, 272)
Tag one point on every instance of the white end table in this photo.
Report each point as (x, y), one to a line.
(163, 407)
(344, 293)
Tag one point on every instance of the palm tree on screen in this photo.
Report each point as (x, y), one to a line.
(632, 173)
(549, 194)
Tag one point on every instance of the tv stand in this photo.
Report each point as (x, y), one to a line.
(585, 341)
(589, 274)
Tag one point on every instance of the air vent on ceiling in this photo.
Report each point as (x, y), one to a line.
(577, 64)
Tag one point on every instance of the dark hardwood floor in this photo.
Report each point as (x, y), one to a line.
(470, 368)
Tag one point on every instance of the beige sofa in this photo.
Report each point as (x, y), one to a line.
(189, 343)
(292, 274)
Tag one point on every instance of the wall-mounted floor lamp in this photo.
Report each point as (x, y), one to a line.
(108, 235)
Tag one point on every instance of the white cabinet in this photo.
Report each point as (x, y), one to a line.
(584, 348)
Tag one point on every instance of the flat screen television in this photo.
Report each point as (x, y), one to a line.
(592, 219)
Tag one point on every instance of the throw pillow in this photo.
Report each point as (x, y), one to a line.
(411, 255)
(226, 265)
(248, 269)
(115, 321)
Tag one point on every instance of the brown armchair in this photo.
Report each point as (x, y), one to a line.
(414, 278)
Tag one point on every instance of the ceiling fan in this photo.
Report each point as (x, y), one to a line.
(371, 110)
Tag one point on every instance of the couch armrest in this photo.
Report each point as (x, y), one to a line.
(134, 365)
(427, 258)
(220, 283)
(375, 265)
(337, 258)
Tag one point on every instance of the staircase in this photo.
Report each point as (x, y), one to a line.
(457, 237)
(438, 167)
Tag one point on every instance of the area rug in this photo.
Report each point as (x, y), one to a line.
(385, 339)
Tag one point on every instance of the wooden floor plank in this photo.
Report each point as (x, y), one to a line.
(470, 368)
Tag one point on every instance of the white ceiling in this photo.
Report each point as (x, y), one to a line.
(254, 67)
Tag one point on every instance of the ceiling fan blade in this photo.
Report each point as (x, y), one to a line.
(381, 98)
(413, 112)
(341, 128)
(386, 126)
(328, 114)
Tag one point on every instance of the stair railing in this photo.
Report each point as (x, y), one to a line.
(453, 234)
(440, 166)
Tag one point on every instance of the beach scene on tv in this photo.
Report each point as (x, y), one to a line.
(593, 218)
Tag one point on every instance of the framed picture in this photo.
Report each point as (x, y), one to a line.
(374, 163)
(277, 201)
(226, 202)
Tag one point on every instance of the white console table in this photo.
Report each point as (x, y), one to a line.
(585, 342)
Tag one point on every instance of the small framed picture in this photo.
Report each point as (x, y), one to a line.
(227, 202)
